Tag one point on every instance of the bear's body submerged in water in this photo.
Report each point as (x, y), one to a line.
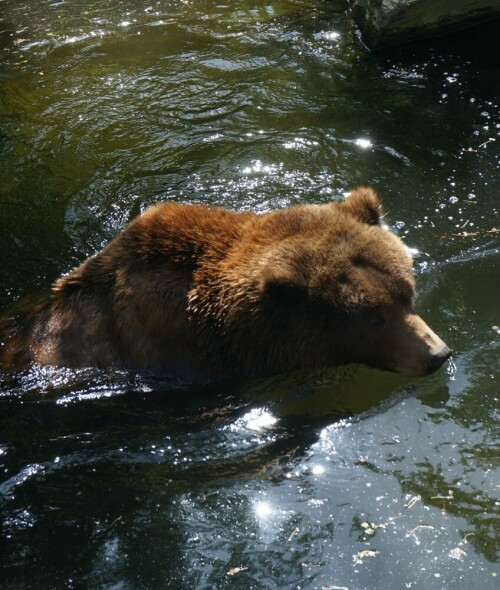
(203, 293)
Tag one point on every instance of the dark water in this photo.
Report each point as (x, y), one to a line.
(119, 481)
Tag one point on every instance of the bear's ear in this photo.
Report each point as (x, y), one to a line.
(283, 284)
(364, 204)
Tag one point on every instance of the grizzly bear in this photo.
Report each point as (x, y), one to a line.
(204, 294)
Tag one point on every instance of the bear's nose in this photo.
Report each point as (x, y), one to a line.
(438, 359)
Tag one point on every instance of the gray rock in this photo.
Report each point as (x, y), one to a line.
(392, 22)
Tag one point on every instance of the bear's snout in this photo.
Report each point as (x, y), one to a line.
(437, 350)
(414, 350)
(438, 358)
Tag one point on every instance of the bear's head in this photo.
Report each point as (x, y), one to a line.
(340, 288)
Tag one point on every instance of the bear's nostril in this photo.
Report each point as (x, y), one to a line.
(438, 359)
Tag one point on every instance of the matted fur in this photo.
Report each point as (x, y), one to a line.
(204, 293)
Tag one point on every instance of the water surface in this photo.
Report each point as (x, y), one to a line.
(333, 479)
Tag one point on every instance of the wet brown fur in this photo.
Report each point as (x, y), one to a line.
(204, 293)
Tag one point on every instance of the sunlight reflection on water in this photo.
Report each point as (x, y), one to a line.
(109, 107)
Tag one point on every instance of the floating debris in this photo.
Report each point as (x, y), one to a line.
(310, 564)
(413, 501)
(448, 497)
(294, 532)
(470, 234)
(457, 553)
(490, 140)
(419, 527)
(236, 570)
(358, 558)
(369, 528)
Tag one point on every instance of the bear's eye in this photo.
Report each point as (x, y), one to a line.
(378, 320)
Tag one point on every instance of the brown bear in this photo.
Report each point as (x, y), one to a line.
(203, 293)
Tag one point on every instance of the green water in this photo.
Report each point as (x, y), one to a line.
(119, 481)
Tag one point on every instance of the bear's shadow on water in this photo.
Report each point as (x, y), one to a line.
(247, 429)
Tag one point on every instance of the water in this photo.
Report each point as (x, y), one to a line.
(334, 479)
